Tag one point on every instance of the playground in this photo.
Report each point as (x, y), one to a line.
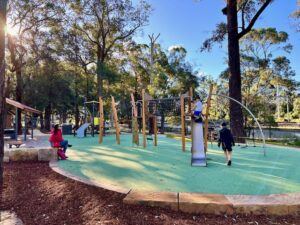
(149, 112)
(166, 168)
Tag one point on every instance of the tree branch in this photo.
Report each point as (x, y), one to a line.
(243, 14)
(252, 22)
(86, 33)
(121, 38)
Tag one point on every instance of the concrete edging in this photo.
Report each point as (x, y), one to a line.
(218, 204)
(54, 166)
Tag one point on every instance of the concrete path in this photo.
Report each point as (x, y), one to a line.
(9, 218)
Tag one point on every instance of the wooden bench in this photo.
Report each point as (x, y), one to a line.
(15, 143)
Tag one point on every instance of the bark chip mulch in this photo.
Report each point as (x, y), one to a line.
(40, 196)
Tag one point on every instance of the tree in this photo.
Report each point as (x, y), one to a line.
(27, 17)
(296, 15)
(79, 54)
(181, 76)
(107, 23)
(138, 61)
(3, 5)
(246, 11)
(296, 108)
(264, 67)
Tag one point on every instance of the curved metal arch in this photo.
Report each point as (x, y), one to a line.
(248, 110)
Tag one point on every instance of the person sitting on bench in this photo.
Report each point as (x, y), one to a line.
(56, 139)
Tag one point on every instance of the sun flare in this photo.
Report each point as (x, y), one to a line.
(11, 30)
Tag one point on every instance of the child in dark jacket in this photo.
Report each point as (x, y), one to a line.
(226, 140)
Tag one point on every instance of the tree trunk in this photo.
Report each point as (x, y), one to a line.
(19, 97)
(99, 77)
(100, 69)
(76, 101)
(64, 117)
(42, 121)
(3, 4)
(48, 117)
(77, 115)
(87, 83)
(235, 110)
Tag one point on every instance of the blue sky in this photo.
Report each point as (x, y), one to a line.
(190, 22)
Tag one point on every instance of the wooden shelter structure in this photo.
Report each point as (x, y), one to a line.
(27, 111)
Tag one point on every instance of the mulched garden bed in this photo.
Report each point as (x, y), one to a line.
(40, 196)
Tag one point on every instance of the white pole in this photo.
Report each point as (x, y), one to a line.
(277, 99)
(287, 108)
(262, 134)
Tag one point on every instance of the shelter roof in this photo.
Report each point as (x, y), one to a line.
(22, 106)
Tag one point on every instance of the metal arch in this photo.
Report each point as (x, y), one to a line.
(248, 110)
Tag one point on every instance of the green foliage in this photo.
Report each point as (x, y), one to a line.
(173, 120)
(264, 70)
(106, 25)
(296, 108)
(63, 49)
(296, 142)
(218, 36)
(270, 121)
(296, 14)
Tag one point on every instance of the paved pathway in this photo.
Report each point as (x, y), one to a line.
(39, 140)
(9, 218)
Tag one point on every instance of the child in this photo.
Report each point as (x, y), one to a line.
(197, 108)
(56, 138)
(226, 139)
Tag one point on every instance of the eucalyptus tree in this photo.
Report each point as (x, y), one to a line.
(3, 11)
(25, 20)
(182, 76)
(79, 54)
(150, 67)
(246, 12)
(138, 63)
(107, 23)
(296, 108)
(265, 65)
(296, 15)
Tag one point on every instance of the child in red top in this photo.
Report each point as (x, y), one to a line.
(56, 138)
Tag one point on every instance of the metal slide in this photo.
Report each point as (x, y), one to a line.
(81, 129)
(198, 153)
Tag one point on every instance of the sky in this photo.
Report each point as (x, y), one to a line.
(190, 22)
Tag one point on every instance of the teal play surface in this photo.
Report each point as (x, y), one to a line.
(167, 168)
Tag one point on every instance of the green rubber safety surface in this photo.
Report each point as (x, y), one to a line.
(167, 168)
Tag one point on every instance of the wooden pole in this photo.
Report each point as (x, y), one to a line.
(135, 133)
(155, 130)
(190, 111)
(113, 105)
(101, 121)
(190, 100)
(144, 118)
(206, 117)
(182, 123)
